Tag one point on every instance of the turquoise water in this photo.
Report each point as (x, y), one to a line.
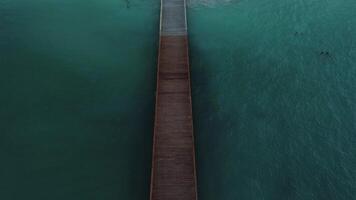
(273, 89)
(274, 93)
(76, 103)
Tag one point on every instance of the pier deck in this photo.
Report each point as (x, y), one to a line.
(173, 163)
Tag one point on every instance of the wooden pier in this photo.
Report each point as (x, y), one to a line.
(173, 161)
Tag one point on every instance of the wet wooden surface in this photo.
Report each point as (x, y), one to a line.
(173, 165)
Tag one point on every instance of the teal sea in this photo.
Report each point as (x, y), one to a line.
(274, 93)
(273, 85)
(76, 102)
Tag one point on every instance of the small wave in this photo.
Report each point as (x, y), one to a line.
(209, 3)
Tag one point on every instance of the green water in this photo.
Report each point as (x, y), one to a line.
(274, 93)
(275, 118)
(76, 103)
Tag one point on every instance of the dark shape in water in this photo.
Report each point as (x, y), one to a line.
(326, 53)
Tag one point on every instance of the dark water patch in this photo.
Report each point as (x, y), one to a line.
(76, 77)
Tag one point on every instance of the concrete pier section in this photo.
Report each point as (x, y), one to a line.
(173, 162)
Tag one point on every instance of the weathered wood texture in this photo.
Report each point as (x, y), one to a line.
(173, 167)
(173, 163)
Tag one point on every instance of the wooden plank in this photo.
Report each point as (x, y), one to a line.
(173, 164)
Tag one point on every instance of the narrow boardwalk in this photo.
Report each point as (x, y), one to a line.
(173, 163)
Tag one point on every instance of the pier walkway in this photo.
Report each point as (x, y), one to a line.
(173, 162)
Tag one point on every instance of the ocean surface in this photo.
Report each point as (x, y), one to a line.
(77, 81)
(274, 98)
